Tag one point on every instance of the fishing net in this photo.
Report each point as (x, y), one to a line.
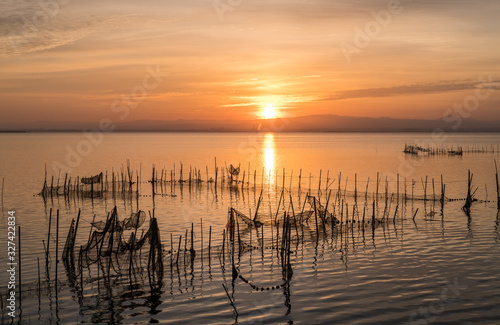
(114, 250)
(70, 241)
(243, 217)
(320, 211)
(92, 180)
(135, 221)
(234, 171)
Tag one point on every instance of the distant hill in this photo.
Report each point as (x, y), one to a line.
(312, 123)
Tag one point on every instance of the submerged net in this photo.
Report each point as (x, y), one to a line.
(118, 252)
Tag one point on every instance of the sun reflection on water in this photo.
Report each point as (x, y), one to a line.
(269, 156)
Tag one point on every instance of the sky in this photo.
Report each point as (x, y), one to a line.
(130, 60)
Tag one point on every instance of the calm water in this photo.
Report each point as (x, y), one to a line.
(442, 268)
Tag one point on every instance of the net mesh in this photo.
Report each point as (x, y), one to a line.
(116, 247)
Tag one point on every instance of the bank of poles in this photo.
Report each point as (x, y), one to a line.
(459, 150)
(404, 189)
(124, 183)
(278, 179)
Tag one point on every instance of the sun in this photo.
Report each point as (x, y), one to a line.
(269, 111)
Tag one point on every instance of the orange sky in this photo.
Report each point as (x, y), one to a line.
(220, 59)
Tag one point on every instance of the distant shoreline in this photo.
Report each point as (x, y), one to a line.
(244, 131)
(303, 124)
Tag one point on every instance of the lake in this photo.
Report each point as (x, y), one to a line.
(418, 261)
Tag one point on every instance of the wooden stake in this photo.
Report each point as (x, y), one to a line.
(300, 177)
(39, 288)
(433, 191)
(178, 251)
(209, 242)
(395, 213)
(415, 214)
(355, 187)
(47, 252)
(442, 193)
(425, 189)
(316, 218)
(398, 189)
(319, 186)
(498, 187)
(3, 183)
(57, 249)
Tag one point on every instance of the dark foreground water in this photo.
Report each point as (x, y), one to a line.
(441, 267)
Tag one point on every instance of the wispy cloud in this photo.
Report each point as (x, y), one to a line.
(419, 88)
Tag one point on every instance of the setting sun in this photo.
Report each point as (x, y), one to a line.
(269, 111)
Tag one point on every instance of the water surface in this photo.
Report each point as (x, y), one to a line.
(394, 274)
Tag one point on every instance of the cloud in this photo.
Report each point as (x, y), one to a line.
(413, 89)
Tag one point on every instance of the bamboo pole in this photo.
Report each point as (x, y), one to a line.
(366, 190)
(442, 193)
(406, 197)
(425, 189)
(319, 184)
(398, 189)
(415, 214)
(355, 188)
(81, 268)
(364, 211)
(373, 215)
(395, 213)
(178, 251)
(192, 239)
(3, 185)
(300, 178)
(47, 252)
(209, 243)
(57, 249)
(341, 213)
(433, 190)
(39, 287)
(223, 246)
(468, 201)
(498, 187)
